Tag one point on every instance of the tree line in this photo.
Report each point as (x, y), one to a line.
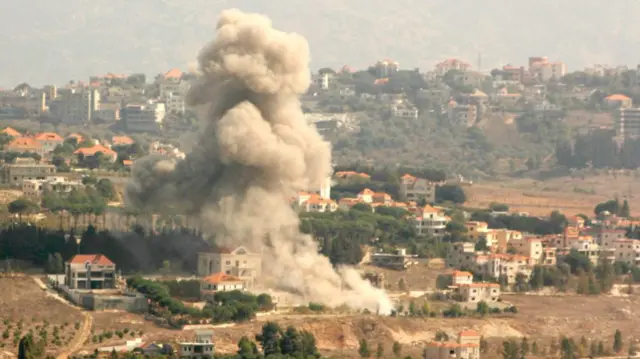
(598, 149)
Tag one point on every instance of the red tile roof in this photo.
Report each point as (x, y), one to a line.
(98, 259)
(173, 74)
(461, 273)
(48, 136)
(91, 151)
(24, 143)
(122, 140)
(469, 333)
(11, 132)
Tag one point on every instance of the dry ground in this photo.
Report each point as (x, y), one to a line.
(570, 195)
(24, 307)
(541, 319)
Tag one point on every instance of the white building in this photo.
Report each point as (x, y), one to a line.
(147, 117)
(90, 271)
(237, 262)
(405, 111)
(431, 222)
(34, 189)
(201, 347)
(313, 202)
(219, 282)
(467, 347)
(321, 80)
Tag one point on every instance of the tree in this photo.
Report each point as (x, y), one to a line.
(397, 349)
(363, 349)
(269, 338)
(601, 351)
(380, 351)
(568, 348)
(105, 188)
(510, 349)
(534, 348)
(482, 308)
(593, 349)
(291, 343)
(524, 347)
(481, 245)
(617, 341)
(625, 211)
(412, 309)
(499, 207)
(450, 192)
(402, 285)
(21, 206)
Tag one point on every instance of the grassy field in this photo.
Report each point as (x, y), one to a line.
(569, 195)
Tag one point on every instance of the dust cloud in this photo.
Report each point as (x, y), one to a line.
(253, 153)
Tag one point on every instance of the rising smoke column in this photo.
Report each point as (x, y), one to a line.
(254, 152)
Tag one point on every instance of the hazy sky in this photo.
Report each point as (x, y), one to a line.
(49, 41)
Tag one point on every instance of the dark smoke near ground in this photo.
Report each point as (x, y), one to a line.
(253, 153)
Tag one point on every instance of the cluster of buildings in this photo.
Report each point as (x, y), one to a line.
(111, 98)
(429, 220)
(509, 254)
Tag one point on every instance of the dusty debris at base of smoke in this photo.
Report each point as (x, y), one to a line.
(254, 151)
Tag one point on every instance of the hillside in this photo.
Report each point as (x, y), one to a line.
(80, 37)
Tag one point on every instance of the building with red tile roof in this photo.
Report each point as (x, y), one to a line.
(122, 141)
(11, 132)
(25, 144)
(90, 271)
(467, 346)
(49, 140)
(92, 151)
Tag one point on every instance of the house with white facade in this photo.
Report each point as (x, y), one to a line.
(90, 271)
(431, 221)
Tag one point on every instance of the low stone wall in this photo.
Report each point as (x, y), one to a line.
(94, 301)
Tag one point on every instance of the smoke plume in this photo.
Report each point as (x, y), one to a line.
(253, 153)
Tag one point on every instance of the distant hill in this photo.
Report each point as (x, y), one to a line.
(54, 41)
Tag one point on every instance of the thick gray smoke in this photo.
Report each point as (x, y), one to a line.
(254, 152)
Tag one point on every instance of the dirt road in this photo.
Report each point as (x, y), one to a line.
(85, 331)
(80, 339)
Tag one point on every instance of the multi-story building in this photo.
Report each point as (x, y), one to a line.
(462, 255)
(25, 169)
(503, 265)
(416, 189)
(31, 104)
(34, 189)
(76, 107)
(49, 140)
(627, 123)
(467, 347)
(528, 247)
(470, 78)
(462, 115)
(451, 64)
(626, 250)
(147, 117)
(90, 271)
(398, 260)
(238, 262)
(201, 347)
(321, 80)
(478, 292)
(431, 222)
(513, 73)
(385, 68)
(543, 70)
